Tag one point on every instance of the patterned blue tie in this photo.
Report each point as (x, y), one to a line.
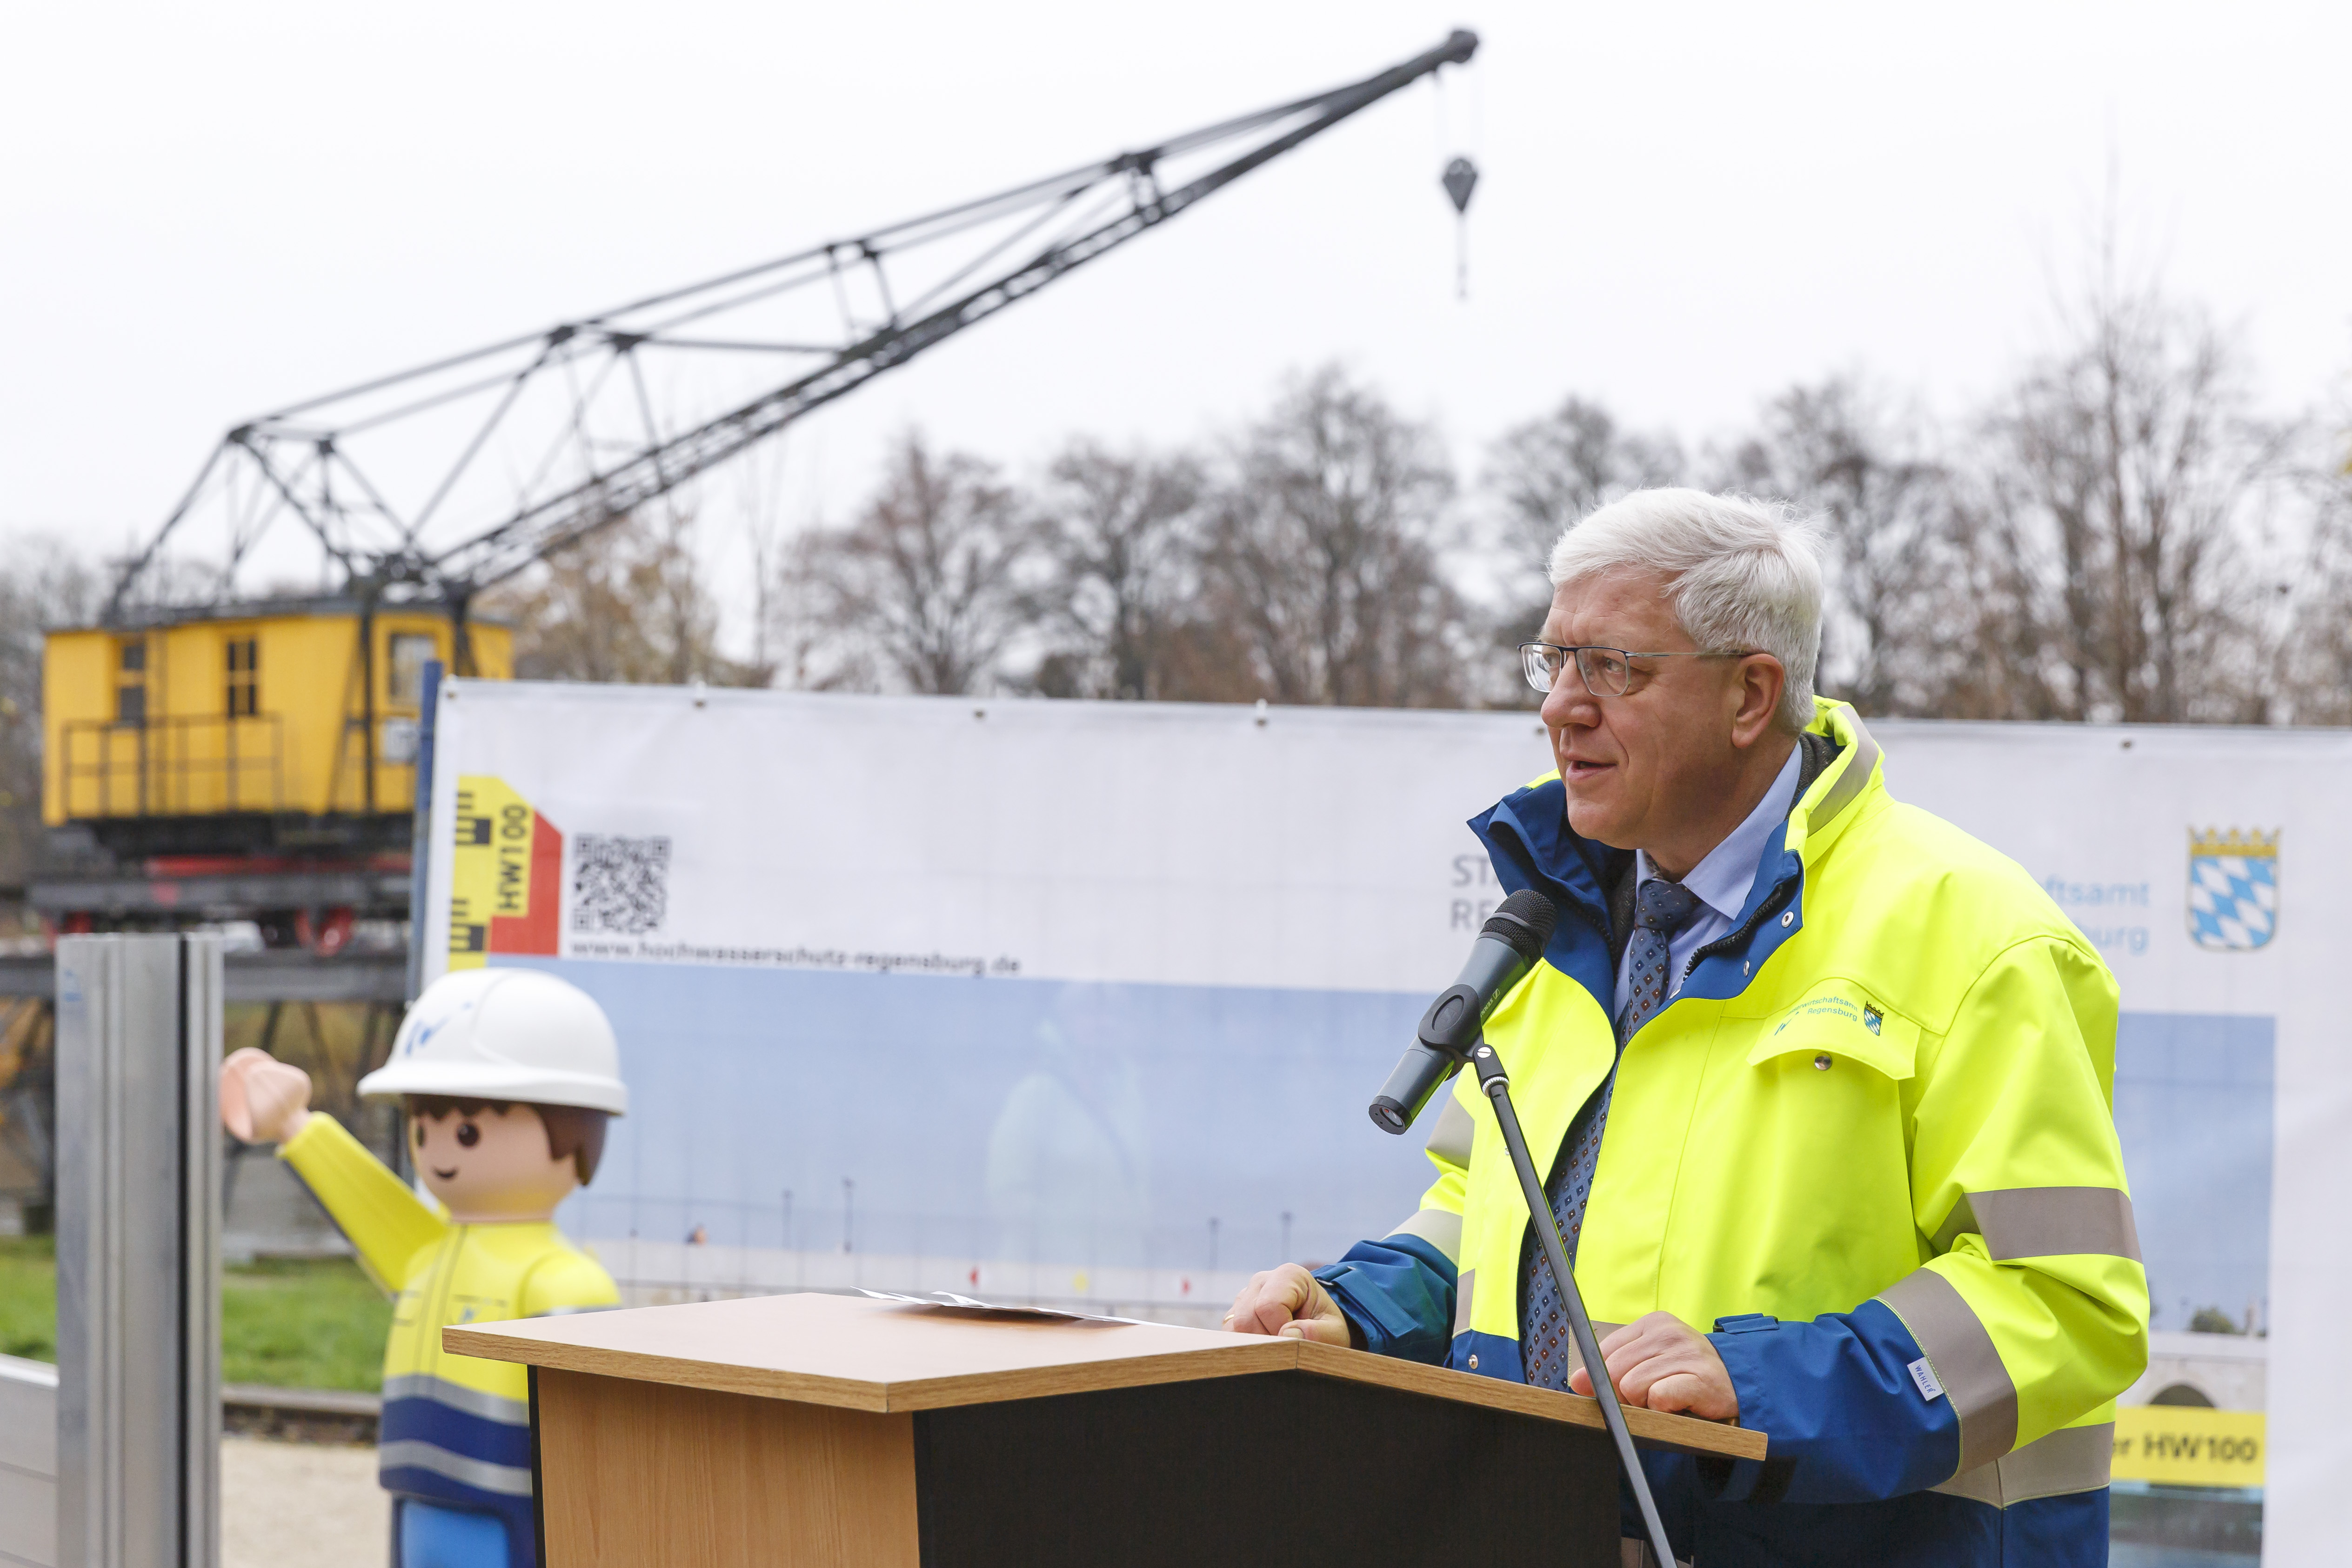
(1661, 909)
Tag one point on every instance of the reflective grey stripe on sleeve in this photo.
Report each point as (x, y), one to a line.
(2077, 1459)
(1450, 1139)
(2045, 1222)
(1965, 1363)
(412, 1453)
(458, 1396)
(1463, 1288)
(1439, 1228)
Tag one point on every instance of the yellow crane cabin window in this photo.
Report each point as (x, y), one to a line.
(244, 676)
(411, 652)
(131, 681)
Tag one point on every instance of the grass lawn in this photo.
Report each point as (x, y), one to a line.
(308, 1323)
(291, 1323)
(29, 1297)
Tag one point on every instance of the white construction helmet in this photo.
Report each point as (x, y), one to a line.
(506, 1034)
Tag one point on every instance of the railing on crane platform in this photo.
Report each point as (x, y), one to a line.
(172, 765)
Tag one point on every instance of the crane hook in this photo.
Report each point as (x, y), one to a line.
(1461, 178)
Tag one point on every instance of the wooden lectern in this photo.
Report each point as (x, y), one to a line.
(833, 1430)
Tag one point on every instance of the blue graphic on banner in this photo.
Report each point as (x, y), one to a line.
(2193, 1106)
(1105, 1125)
(1041, 1121)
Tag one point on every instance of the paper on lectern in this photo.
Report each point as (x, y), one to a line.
(967, 1303)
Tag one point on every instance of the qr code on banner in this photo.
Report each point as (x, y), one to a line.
(619, 884)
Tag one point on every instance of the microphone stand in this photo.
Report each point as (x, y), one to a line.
(1496, 1086)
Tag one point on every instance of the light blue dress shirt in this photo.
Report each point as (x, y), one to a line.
(1722, 880)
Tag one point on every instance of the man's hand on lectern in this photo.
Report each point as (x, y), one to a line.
(1664, 1363)
(1290, 1301)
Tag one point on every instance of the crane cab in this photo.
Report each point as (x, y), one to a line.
(271, 739)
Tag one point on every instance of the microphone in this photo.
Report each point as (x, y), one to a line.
(1508, 947)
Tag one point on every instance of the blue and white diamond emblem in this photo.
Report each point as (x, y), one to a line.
(2233, 890)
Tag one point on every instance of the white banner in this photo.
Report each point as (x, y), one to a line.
(1166, 845)
(1107, 986)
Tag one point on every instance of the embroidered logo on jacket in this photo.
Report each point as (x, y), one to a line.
(1832, 1008)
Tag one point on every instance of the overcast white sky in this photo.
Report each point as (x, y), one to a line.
(208, 211)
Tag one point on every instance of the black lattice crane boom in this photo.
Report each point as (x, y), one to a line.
(213, 749)
(440, 481)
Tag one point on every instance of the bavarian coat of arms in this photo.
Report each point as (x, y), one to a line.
(2233, 889)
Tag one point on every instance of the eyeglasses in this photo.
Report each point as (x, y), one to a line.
(1607, 672)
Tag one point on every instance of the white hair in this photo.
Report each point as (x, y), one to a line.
(1743, 575)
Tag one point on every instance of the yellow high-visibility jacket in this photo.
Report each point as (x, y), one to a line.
(1869, 1146)
(456, 1429)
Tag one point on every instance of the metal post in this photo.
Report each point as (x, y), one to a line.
(139, 1221)
(420, 834)
(420, 874)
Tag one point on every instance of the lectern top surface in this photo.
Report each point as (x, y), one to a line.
(871, 1355)
(863, 1355)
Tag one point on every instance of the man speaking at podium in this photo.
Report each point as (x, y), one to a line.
(1825, 1085)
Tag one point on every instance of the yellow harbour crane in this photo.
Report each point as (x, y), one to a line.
(250, 759)
(304, 707)
(217, 752)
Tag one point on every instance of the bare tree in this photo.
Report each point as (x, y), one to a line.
(1322, 557)
(46, 585)
(1981, 643)
(760, 474)
(1844, 449)
(2131, 477)
(928, 588)
(799, 611)
(1548, 472)
(1551, 471)
(2316, 666)
(628, 603)
(1119, 532)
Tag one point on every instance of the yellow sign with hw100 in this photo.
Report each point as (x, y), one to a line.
(2189, 1446)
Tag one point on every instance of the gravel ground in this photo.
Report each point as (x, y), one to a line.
(301, 1505)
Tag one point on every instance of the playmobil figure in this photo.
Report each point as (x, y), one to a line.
(507, 1077)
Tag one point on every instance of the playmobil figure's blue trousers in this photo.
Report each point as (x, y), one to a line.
(433, 1537)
